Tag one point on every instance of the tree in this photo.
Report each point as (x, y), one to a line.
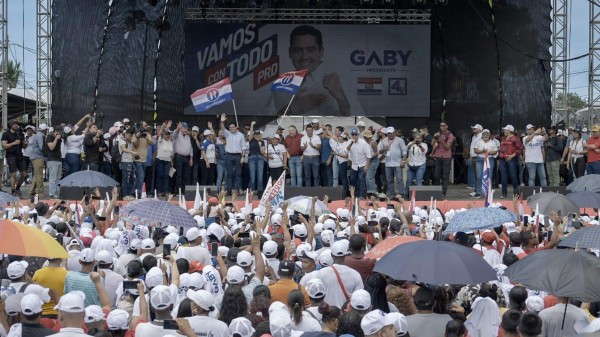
(14, 74)
(573, 103)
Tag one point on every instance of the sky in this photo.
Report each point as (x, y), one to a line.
(19, 18)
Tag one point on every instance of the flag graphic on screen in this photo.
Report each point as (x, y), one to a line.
(289, 82)
(486, 184)
(206, 98)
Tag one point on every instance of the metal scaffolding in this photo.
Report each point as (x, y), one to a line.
(44, 61)
(560, 51)
(4, 61)
(405, 16)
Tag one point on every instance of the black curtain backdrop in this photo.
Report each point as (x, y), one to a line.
(482, 78)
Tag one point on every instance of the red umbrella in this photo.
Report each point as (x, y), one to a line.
(388, 244)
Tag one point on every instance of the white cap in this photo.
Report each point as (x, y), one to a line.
(510, 227)
(12, 305)
(477, 126)
(31, 304)
(223, 250)
(135, 244)
(117, 319)
(43, 293)
(280, 323)
(374, 321)
(339, 249)
(195, 128)
(215, 230)
(202, 298)
(207, 132)
(276, 219)
(325, 258)
(329, 224)
(270, 248)
(244, 259)
(125, 120)
(87, 255)
(154, 277)
(360, 300)
(300, 230)
(509, 128)
(584, 130)
(43, 126)
(161, 297)
(196, 280)
(327, 236)
(241, 326)
(390, 129)
(104, 257)
(316, 288)
(485, 131)
(360, 123)
(67, 129)
(30, 127)
(171, 239)
(192, 234)
(302, 248)
(71, 302)
(400, 323)
(235, 275)
(314, 121)
(318, 228)
(148, 244)
(277, 306)
(171, 229)
(93, 313)
(529, 126)
(16, 269)
(534, 303)
(118, 124)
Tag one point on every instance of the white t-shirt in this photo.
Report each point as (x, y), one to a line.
(74, 143)
(360, 152)
(417, 155)
(310, 151)
(196, 253)
(341, 148)
(112, 281)
(577, 146)
(207, 326)
(276, 153)
(153, 330)
(490, 145)
(308, 323)
(315, 312)
(474, 140)
(333, 292)
(533, 149)
(164, 150)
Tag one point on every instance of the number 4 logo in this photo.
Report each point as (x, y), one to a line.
(397, 86)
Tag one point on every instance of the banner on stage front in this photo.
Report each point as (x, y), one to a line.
(351, 70)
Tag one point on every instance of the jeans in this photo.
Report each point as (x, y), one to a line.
(358, 180)
(207, 174)
(479, 165)
(414, 173)
(371, 184)
(593, 167)
(149, 178)
(140, 172)
(343, 169)
(442, 173)
(471, 173)
(311, 167)
(335, 172)
(295, 165)
(54, 172)
(38, 176)
(127, 180)
(195, 169)
(391, 174)
(234, 171)
(536, 169)
(256, 165)
(221, 172)
(74, 162)
(162, 176)
(553, 172)
(182, 171)
(326, 174)
(509, 168)
(92, 166)
(107, 168)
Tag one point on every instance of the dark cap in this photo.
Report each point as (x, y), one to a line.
(232, 256)
(424, 297)
(515, 237)
(256, 132)
(280, 128)
(287, 266)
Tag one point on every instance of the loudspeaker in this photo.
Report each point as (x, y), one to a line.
(426, 192)
(334, 193)
(76, 193)
(528, 190)
(190, 191)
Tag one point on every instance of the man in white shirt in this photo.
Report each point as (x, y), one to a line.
(70, 314)
(311, 162)
(394, 162)
(194, 252)
(534, 154)
(112, 280)
(359, 153)
(340, 280)
(233, 149)
(472, 176)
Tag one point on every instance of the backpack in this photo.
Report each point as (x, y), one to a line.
(115, 153)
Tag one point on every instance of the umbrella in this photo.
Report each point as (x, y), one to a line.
(589, 182)
(89, 179)
(153, 212)
(560, 272)
(534, 197)
(585, 199)
(388, 244)
(6, 198)
(302, 204)
(554, 202)
(22, 240)
(479, 218)
(588, 237)
(435, 262)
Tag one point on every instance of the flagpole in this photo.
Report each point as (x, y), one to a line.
(286, 110)
(235, 112)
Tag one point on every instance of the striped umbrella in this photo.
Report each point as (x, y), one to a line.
(153, 212)
(22, 240)
(479, 218)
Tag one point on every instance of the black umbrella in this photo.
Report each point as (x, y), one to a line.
(553, 202)
(585, 199)
(89, 179)
(588, 237)
(435, 262)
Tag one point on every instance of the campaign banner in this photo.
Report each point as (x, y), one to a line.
(352, 70)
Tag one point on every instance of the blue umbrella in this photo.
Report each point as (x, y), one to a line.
(585, 199)
(153, 212)
(89, 179)
(479, 218)
(435, 262)
(6, 198)
(588, 237)
(589, 182)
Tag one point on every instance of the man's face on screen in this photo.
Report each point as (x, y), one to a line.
(305, 53)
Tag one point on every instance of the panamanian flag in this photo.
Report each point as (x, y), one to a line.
(213, 95)
(277, 192)
(289, 82)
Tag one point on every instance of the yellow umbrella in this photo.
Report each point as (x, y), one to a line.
(21, 240)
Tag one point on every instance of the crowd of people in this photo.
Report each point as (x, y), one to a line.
(243, 271)
(380, 161)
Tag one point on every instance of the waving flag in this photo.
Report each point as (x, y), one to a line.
(197, 198)
(289, 82)
(206, 98)
(276, 193)
(265, 197)
(486, 184)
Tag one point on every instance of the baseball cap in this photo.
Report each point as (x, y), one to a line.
(360, 123)
(390, 129)
(30, 127)
(43, 126)
(314, 121)
(534, 303)
(31, 304)
(202, 298)
(360, 300)
(148, 244)
(596, 128)
(118, 124)
(87, 255)
(216, 230)
(104, 257)
(584, 130)
(280, 323)
(207, 132)
(287, 266)
(354, 131)
(67, 129)
(301, 248)
(477, 126)
(135, 244)
(529, 126)
(329, 224)
(308, 254)
(117, 319)
(300, 231)
(196, 280)
(270, 248)
(16, 269)
(316, 288)
(192, 234)
(125, 120)
(367, 134)
(195, 128)
(374, 321)
(93, 313)
(235, 275)
(154, 277)
(339, 248)
(244, 259)
(400, 323)
(71, 302)
(485, 130)
(161, 297)
(12, 305)
(184, 125)
(241, 326)
(325, 258)
(509, 128)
